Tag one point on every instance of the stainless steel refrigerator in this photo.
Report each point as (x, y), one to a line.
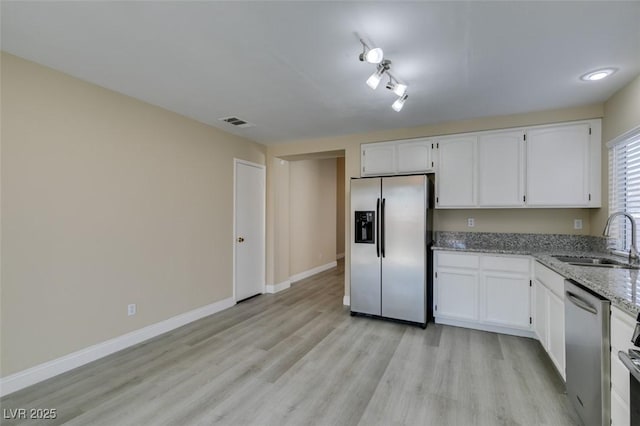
(391, 241)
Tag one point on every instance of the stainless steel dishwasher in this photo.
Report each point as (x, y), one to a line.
(587, 353)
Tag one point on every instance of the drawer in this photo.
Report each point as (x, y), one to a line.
(550, 279)
(457, 260)
(507, 264)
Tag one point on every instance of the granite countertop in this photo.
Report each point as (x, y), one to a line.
(620, 286)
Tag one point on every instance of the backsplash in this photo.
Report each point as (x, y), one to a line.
(520, 242)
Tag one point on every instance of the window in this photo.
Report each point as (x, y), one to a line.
(624, 186)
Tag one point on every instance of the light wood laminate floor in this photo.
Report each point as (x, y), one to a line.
(299, 358)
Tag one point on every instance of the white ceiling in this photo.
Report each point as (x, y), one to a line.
(291, 68)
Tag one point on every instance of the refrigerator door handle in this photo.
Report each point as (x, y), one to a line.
(382, 228)
(378, 228)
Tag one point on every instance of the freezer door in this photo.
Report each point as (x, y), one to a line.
(404, 261)
(365, 257)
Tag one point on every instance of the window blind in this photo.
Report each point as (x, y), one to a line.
(624, 187)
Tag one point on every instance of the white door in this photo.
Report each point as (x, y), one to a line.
(540, 313)
(249, 238)
(378, 159)
(457, 294)
(415, 157)
(456, 172)
(558, 166)
(501, 169)
(506, 299)
(556, 332)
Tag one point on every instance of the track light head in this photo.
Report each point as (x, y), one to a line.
(397, 88)
(373, 56)
(374, 80)
(399, 103)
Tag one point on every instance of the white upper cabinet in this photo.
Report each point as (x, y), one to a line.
(378, 159)
(558, 166)
(501, 169)
(548, 166)
(396, 157)
(455, 176)
(414, 157)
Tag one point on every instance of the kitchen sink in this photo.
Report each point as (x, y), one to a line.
(599, 262)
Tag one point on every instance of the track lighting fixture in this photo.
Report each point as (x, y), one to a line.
(375, 56)
(399, 103)
(397, 88)
(374, 80)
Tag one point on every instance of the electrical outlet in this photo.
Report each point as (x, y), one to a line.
(471, 222)
(131, 309)
(577, 224)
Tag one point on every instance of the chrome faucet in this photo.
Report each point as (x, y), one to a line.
(633, 251)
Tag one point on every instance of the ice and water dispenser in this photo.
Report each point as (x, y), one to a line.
(365, 227)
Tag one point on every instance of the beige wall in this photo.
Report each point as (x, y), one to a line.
(340, 204)
(278, 212)
(106, 201)
(540, 221)
(535, 221)
(312, 219)
(621, 114)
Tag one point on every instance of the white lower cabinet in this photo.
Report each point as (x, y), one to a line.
(622, 326)
(506, 299)
(548, 318)
(540, 308)
(483, 291)
(458, 294)
(494, 293)
(556, 347)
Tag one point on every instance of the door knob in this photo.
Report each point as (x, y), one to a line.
(240, 239)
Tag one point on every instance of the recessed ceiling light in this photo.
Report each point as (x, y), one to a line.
(598, 74)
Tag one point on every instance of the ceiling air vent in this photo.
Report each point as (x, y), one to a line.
(238, 122)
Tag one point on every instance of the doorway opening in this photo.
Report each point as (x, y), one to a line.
(316, 213)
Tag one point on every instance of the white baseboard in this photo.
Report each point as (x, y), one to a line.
(486, 327)
(44, 371)
(339, 256)
(313, 271)
(274, 288)
(346, 300)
